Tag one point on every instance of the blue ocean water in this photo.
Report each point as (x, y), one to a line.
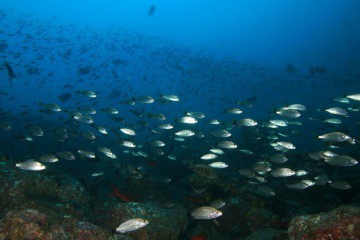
(258, 56)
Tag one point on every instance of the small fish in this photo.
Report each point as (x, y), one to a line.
(300, 173)
(340, 184)
(187, 120)
(297, 107)
(87, 93)
(128, 144)
(151, 10)
(278, 158)
(117, 193)
(342, 160)
(51, 107)
(333, 121)
(303, 184)
(337, 111)
(172, 98)
(227, 144)
(233, 110)
(48, 158)
(286, 145)
(165, 126)
(9, 70)
(355, 97)
(335, 137)
(185, 133)
(221, 133)
(217, 204)
(206, 213)
(280, 123)
(288, 113)
(83, 119)
(197, 115)
(65, 155)
(97, 174)
(217, 151)
(247, 151)
(214, 122)
(246, 122)
(145, 99)
(132, 225)
(110, 110)
(128, 131)
(282, 172)
(30, 165)
(86, 153)
(218, 165)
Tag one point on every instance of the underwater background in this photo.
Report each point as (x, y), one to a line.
(179, 119)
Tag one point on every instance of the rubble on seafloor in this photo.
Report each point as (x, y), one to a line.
(49, 207)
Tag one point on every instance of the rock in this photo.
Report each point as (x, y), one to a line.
(341, 223)
(268, 234)
(65, 195)
(243, 217)
(32, 224)
(164, 224)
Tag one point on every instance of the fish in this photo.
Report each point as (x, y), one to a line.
(286, 145)
(342, 160)
(151, 10)
(202, 236)
(288, 113)
(282, 172)
(278, 158)
(48, 158)
(221, 133)
(172, 98)
(233, 110)
(333, 121)
(128, 144)
(116, 193)
(66, 155)
(9, 70)
(246, 122)
(187, 120)
(206, 213)
(280, 123)
(204, 171)
(86, 153)
(340, 184)
(128, 131)
(303, 184)
(227, 144)
(30, 165)
(65, 97)
(337, 111)
(185, 133)
(197, 115)
(218, 165)
(145, 99)
(355, 97)
(335, 137)
(165, 126)
(217, 204)
(97, 174)
(132, 225)
(87, 93)
(217, 151)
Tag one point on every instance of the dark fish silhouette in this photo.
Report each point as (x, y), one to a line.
(151, 10)
(64, 97)
(9, 70)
